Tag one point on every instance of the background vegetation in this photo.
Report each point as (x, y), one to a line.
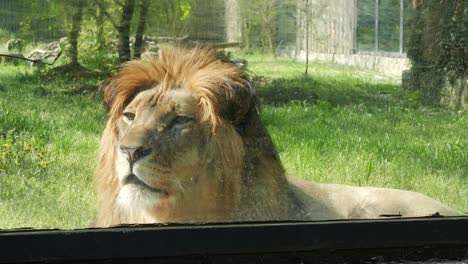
(389, 25)
(439, 48)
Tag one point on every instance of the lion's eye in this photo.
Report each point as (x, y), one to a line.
(129, 116)
(180, 120)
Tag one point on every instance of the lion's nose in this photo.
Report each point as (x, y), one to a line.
(134, 153)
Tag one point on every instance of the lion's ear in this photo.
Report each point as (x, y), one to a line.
(256, 138)
(243, 111)
(251, 126)
(241, 97)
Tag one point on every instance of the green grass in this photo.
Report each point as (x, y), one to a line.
(339, 125)
(342, 125)
(47, 152)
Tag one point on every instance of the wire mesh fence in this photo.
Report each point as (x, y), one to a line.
(337, 26)
(320, 30)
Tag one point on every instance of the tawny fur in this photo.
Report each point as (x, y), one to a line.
(241, 176)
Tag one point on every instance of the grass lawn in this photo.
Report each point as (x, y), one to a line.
(339, 125)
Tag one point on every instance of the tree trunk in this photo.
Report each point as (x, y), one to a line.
(124, 31)
(144, 6)
(233, 21)
(307, 21)
(100, 26)
(75, 31)
(437, 51)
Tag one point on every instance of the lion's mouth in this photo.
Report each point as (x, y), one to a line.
(133, 179)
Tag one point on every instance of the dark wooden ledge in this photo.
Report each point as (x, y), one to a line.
(371, 241)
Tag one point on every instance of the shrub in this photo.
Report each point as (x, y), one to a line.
(97, 45)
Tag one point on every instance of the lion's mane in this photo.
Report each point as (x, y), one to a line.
(227, 104)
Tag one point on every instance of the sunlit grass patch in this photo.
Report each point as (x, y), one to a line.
(392, 148)
(49, 148)
(340, 124)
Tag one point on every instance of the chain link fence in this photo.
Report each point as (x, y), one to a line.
(336, 26)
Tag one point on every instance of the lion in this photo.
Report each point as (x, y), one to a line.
(184, 143)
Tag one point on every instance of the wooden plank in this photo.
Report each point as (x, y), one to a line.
(180, 242)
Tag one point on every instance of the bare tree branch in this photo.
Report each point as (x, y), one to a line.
(109, 16)
(119, 3)
(30, 60)
(167, 39)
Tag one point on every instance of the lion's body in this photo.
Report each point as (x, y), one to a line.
(184, 143)
(336, 201)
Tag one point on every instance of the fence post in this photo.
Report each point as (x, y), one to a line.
(376, 30)
(376, 37)
(401, 25)
(233, 21)
(355, 30)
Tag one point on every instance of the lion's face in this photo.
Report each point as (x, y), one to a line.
(161, 145)
(174, 146)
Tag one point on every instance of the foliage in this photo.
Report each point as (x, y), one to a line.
(39, 20)
(259, 19)
(22, 155)
(4, 36)
(174, 21)
(98, 52)
(389, 25)
(128, 18)
(366, 22)
(454, 42)
(267, 24)
(186, 8)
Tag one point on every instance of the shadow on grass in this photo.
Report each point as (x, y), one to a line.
(71, 80)
(74, 72)
(68, 80)
(337, 91)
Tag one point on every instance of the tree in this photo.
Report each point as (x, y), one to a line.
(309, 15)
(207, 21)
(32, 21)
(77, 17)
(307, 32)
(144, 6)
(233, 21)
(124, 31)
(260, 18)
(438, 52)
(269, 24)
(100, 19)
(122, 27)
